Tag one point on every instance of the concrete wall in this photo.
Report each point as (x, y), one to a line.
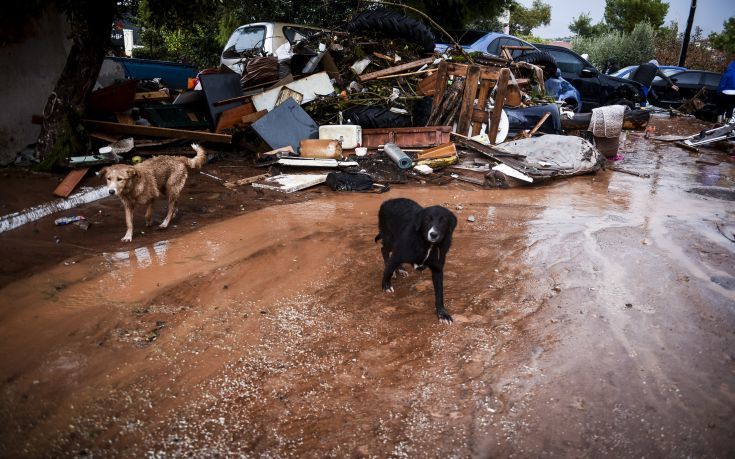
(29, 71)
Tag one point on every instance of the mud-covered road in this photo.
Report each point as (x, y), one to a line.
(593, 317)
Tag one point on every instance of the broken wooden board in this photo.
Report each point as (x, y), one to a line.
(310, 87)
(289, 183)
(233, 116)
(247, 120)
(70, 182)
(395, 69)
(152, 96)
(150, 131)
(441, 151)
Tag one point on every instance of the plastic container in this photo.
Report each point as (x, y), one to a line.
(349, 135)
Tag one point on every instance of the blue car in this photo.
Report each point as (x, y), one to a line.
(486, 42)
(668, 70)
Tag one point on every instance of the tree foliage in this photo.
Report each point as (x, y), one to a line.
(624, 15)
(582, 26)
(626, 48)
(725, 40)
(699, 54)
(523, 20)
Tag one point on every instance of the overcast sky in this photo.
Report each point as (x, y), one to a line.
(709, 16)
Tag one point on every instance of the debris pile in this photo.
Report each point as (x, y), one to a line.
(375, 99)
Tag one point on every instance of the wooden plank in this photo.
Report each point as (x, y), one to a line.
(441, 84)
(151, 96)
(482, 96)
(492, 131)
(395, 69)
(70, 182)
(253, 117)
(105, 137)
(233, 116)
(442, 151)
(468, 99)
(150, 131)
(427, 86)
(538, 125)
(486, 73)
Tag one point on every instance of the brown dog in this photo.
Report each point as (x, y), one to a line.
(143, 183)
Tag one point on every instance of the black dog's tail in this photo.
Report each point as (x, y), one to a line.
(378, 237)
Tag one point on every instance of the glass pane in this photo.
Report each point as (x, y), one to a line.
(687, 78)
(246, 38)
(712, 79)
(567, 62)
(294, 34)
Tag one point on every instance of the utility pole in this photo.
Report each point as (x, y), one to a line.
(687, 33)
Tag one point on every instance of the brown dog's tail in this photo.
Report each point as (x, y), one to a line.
(198, 161)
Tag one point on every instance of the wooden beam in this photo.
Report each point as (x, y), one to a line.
(152, 96)
(486, 73)
(468, 99)
(150, 131)
(492, 131)
(482, 97)
(440, 85)
(70, 182)
(395, 69)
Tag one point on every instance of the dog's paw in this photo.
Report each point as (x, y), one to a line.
(402, 272)
(444, 317)
(163, 226)
(127, 238)
(388, 289)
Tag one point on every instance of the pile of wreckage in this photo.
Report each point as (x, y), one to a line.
(368, 108)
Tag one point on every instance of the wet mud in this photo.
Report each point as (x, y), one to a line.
(593, 317)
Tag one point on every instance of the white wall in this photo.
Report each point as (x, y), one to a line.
(28, 73)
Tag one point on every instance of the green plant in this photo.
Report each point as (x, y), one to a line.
(626, 48)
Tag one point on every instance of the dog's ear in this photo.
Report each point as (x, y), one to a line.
(452, 221)
(132, 172)
(418, 221)
(103, 172)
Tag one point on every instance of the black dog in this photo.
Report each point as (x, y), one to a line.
(422, 236)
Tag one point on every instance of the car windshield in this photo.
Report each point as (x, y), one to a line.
(243, 39)
(467, 37)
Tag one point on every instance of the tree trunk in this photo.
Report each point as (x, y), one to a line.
(61, 133)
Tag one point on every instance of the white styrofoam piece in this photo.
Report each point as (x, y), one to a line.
(315, 162)
(509, 171)
(350, 135)
(288, 183)
(311, 87)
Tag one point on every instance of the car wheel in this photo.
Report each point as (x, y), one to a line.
(393, 25)
(541, 58)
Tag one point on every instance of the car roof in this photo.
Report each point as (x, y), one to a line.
(278, 24)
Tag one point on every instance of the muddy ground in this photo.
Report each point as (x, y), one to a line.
(593, 317)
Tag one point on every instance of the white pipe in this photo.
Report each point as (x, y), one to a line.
(16, 219)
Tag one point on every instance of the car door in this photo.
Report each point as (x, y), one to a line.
(581, 75)
(689, 83)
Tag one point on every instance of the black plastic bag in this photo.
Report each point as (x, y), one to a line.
(353, 181)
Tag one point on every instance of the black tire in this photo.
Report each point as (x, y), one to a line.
(393, 24)
(541, 58)
(375, 117)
